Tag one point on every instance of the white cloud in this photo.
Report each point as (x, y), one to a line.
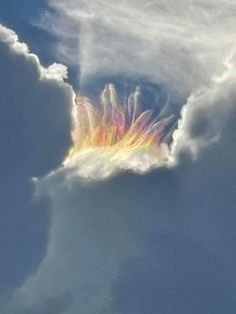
(180, 44)
(58, 72)
(206, 113)
(55, 71)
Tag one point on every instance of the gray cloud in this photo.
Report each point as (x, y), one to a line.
(35, 126)
(176, 274)
(167, 236)
(56, 305)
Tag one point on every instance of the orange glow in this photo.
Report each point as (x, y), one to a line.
(120, 128)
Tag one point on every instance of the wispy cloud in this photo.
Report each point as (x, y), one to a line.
(179, 44)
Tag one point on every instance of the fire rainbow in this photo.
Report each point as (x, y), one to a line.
(116, 129)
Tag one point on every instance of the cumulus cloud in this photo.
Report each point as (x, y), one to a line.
(35, 134)
(162, 242)
(207, 112)
(189, 266)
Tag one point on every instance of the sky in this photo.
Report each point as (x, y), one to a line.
(108, 231)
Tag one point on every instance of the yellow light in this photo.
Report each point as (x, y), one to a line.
(119, 128)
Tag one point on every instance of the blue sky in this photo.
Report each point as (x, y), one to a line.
(21, 17)
(156, 243)
(24, 18)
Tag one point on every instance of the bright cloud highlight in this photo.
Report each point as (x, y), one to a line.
(117, 135)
